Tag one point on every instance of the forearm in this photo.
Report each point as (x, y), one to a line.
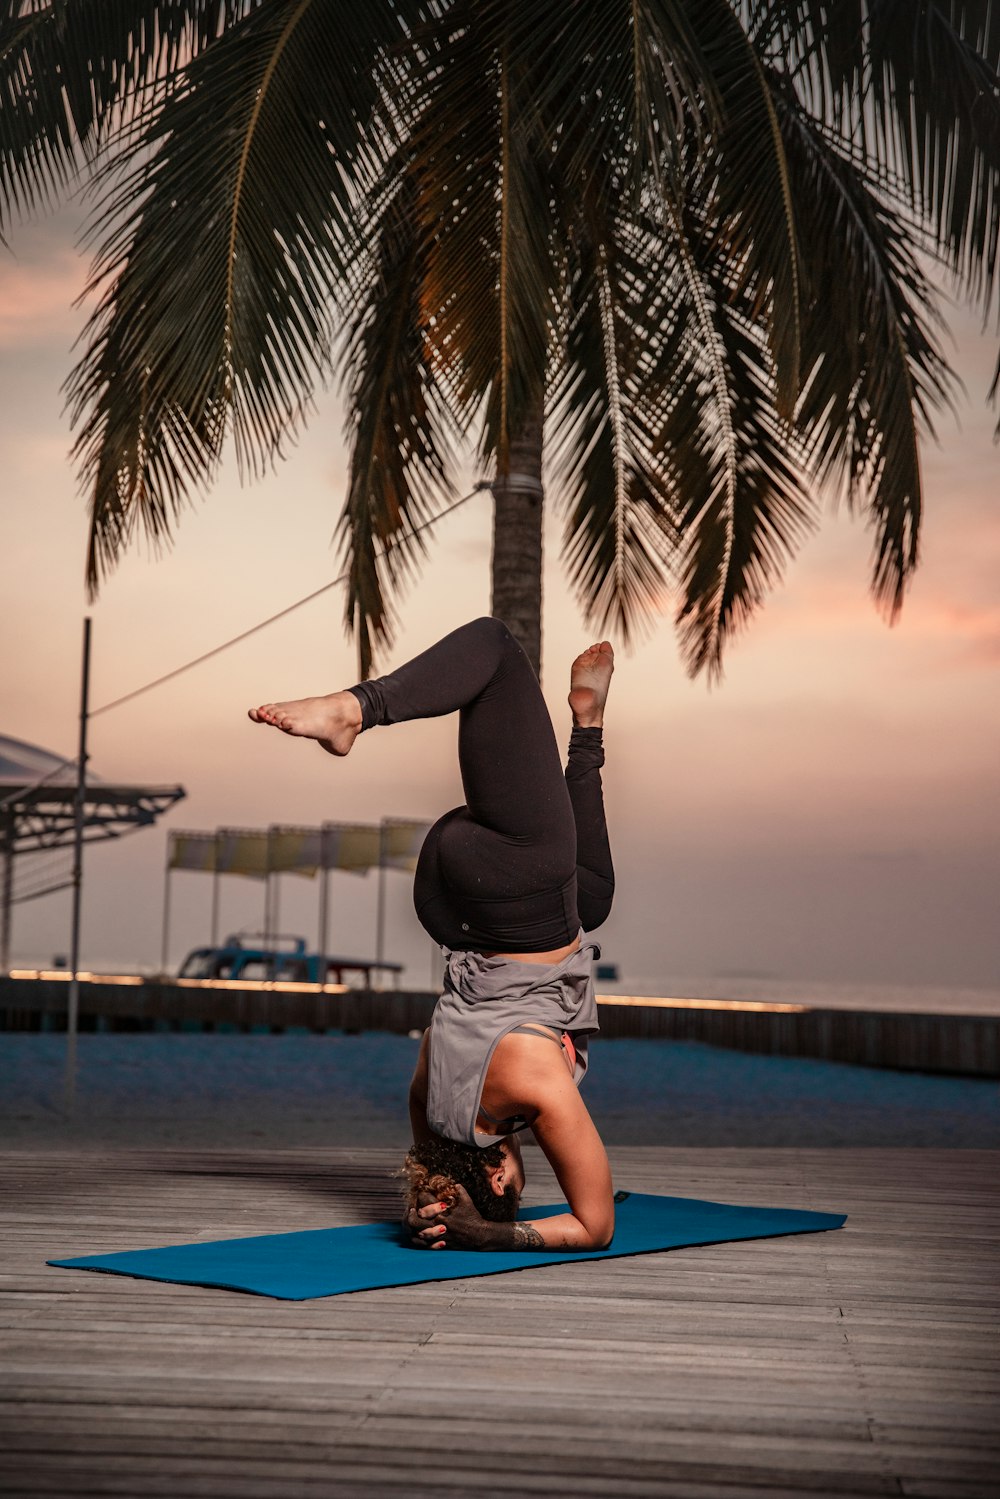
(561, 1232)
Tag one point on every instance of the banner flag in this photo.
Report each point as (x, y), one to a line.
(350, 846)
(401, 842)
(295, 850)
(191, 851)
(243, 851)
(287, 849)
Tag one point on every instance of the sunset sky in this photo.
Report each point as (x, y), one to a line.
(830, 812)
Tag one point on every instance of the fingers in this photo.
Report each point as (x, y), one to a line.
(425, 1199)
(430, 1238)
(424, 1234)
(426, 1224)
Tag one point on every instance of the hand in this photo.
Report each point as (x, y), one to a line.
(433, 1224)
(465, 1227)
(424, 1225)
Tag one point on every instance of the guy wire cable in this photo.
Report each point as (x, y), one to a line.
(289, 609)
(244, 635)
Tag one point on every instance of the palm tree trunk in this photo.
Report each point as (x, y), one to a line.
(517, 540)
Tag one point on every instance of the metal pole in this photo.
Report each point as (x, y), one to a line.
(275, 909)
(73, 1009)
(268, 913)
(324, 900)
(216, 881)
(6, 903)
(380, 911)
(165, 942)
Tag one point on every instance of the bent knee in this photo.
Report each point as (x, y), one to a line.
(490, 628)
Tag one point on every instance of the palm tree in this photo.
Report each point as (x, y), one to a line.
(679, 241)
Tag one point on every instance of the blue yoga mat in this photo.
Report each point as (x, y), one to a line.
(330, 1261)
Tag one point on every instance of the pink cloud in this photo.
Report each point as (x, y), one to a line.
(36, 301)
(969, 631)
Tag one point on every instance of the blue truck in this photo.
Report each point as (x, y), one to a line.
(253, 958)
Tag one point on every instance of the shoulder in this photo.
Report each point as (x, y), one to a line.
(532, 1067)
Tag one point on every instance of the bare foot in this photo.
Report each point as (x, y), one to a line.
(334, 720)
(589, 680)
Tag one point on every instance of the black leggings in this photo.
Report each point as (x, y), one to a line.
(526, 862)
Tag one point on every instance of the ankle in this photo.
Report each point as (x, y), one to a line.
(351, 705)
(366, 700)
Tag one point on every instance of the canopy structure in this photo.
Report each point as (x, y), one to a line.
(37, 799)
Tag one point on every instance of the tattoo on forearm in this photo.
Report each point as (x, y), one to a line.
(527, 1237)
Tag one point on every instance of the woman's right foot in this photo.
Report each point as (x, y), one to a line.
(589, 680)
(333, 721)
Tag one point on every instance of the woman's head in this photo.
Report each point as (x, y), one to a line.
(493, 1176)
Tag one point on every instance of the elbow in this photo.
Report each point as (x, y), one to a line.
(601, 1235)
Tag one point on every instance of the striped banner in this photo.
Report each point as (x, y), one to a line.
(352, 846)
(401, 842)
(295, 850)
(349, 846)
(288, 849)
(191, 851)
(243, 851)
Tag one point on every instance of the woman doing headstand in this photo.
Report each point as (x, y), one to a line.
(505, 883)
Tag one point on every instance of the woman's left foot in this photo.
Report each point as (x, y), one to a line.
(333, 720)
(589, 680)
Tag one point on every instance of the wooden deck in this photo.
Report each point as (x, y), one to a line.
(863, 1361)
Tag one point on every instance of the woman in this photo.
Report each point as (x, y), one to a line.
(503, 883)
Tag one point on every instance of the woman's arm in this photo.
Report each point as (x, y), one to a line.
(418, 1096)
(575, 1151)
(540, 1088)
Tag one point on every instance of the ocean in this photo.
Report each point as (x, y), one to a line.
(233, 1091)
(832, 994)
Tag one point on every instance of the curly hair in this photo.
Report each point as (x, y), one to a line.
(439, 1165)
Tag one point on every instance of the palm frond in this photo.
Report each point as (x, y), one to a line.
(453, 147)
(912, 86)
(707, 127)
(935, 87)
(753, 510)
(72, 73)
(401, 431)
(222, 256)
(874, 368)
(615, 85)
(746, 178)
(740, 506)
(484, 207)
(619, 533)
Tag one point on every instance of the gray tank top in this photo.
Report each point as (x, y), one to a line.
(484, 1000)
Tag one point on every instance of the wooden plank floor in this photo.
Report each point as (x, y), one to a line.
(863, 1361)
